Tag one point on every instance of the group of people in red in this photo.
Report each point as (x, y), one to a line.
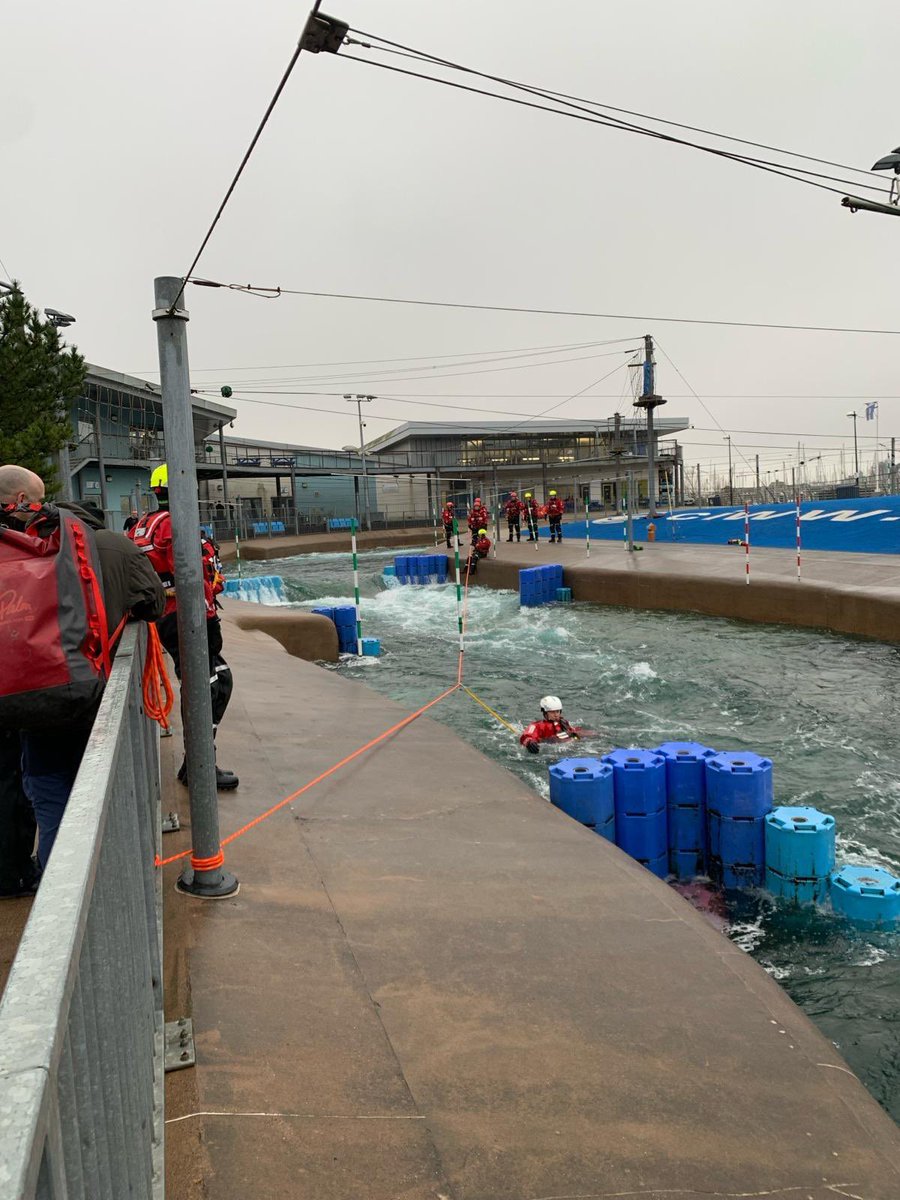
(514, 510)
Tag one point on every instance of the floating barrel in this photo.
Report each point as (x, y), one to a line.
(583, 788)
(563, 595)
(371, 647)
(867, 895)
(639, 785)
(389, 569)
(799, 854)
(686, 800)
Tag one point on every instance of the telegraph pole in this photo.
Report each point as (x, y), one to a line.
(205, 877)
(650, 401)
(759, 497)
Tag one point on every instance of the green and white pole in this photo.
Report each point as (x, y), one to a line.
(356, 585)
(496, 519)
(434, 518)
(459, 602)
(587, 529)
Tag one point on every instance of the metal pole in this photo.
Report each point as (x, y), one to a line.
(699, 499)
(224, 466)
(629, 523)
(459, 610)
(496, 512)
(356, 587)
(101, 461)
(65, 473)
(362, 452)
(758, 493)
(747, 540)
(205, 876)
(587, 528)
(855, 452)
(798, 538)
(893, 465)
(296, 519)
(730, 472)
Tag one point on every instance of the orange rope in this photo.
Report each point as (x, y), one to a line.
(158, 694)
(162, 862)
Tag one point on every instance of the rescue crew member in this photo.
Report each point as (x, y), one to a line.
(532, 512)
(447, 514)
(514, 509)
(555, 510)
(553, 727)
(153, 534)
(478, 518)
(481, 548)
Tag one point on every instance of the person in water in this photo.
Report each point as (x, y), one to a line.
(553, 727)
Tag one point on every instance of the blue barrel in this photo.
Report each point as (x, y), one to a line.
(389, 569)
(563, 595)
(870, 896)
(325, 612)
(371, 646)
(442, 568)
(639, 785)
(686, 799)
(345, 614)
(739, 784)
(737, 850)
(401, 567)
(583, 788)
(799, 854)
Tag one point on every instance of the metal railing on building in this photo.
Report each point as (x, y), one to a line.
(81, 1019)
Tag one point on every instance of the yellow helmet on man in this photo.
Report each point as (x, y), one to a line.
(160, 477)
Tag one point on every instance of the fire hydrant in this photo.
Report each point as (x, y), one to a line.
(651, 532)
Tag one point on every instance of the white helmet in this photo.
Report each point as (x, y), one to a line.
(551, 704)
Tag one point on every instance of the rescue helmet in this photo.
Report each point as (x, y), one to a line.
(551, 704)
(160, 477)
(449, 503)
(482, 533)
(477, 499)
(528, 495)
(552, 493)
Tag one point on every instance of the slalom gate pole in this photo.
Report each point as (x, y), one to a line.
(747, 540)
(355, 558)
(434, 518)
(496, 519)
(798, 537)
(459, 613)
(237, 547)
(587, 530)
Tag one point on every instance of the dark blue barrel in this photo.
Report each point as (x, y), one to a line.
(325, 612)
(639, 785)
(686, 800)
(529, 587)
(583, 788)
(739, 796)
(441, 568)
(799, 853)
(401, 567)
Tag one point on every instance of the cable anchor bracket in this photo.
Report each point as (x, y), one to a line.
(323, 33)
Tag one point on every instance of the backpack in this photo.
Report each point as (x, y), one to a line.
(54, 644)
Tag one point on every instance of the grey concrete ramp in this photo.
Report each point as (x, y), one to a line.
(433, 984)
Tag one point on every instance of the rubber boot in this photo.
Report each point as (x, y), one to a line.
(226, 781)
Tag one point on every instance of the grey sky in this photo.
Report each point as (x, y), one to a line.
(122, 126)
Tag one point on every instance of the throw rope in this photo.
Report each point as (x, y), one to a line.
(157, 687)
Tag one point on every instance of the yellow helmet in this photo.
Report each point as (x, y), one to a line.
(482, 533)
(528, 495)
(552, 493)
(160, 477)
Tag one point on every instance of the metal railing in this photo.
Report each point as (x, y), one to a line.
(81, 1020)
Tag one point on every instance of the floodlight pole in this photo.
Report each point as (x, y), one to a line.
(650, 401)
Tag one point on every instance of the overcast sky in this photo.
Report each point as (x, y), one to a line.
(122, 126)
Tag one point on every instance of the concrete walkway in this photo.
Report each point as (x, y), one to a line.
(434, 985)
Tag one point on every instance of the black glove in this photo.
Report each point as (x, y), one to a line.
(532, 747)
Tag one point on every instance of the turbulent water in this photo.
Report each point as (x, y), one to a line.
(826, 709)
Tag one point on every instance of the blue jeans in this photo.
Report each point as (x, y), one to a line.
(50, 762)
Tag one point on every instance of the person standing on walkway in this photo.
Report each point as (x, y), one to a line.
(532, 512)
(51, 755)
(479, 518)
(153, 535)
(514, 508)
(448, 512)
(555, 510)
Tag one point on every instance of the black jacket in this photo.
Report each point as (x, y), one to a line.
(130, 585)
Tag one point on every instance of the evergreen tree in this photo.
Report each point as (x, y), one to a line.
(39, 378)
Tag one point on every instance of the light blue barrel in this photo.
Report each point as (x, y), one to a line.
(389, 569)
(583, 788)
(563, 595)
(799, 853)
(371, 646)
(869, 896)
(739, 784)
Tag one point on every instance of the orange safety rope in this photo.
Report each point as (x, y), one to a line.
(162, 862)
(157, 687)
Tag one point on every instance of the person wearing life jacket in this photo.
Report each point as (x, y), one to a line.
(532, 511)
(448, 512)
(478, 518)
(123, 585)
(153, 534)
(481, 548)
(555, 510)
(514, 508)
(552, 727)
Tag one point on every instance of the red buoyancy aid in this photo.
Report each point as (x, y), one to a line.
(153, 535)
(555, 507)
(447, 515)
(54, 642)
(549, 731)
(513, 508)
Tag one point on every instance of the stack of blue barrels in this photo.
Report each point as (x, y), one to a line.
(739, 797)
(421, 568)
(686, 803)
(799, 854)
(539, 585)
(344, 617)
(639, 787)
(583, 788)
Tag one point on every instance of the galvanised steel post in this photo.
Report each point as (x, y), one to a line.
(205, 877)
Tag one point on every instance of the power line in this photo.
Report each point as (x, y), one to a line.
(795, 173)
(541, 312)
(269, 109)
(549, 92)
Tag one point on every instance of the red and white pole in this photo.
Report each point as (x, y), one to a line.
(747, 541)
(798, 537)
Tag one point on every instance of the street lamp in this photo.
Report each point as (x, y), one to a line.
(855, 447)
(360, 400)
(61, 320)
(730, 472)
